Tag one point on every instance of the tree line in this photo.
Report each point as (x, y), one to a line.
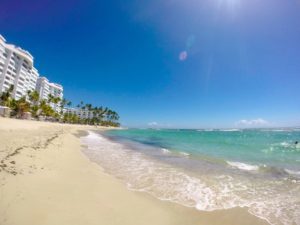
(31, 103)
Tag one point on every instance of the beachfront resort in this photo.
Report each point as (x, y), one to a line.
(209, 96)
(25, 94)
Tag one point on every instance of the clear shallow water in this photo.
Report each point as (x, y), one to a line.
(209, 170)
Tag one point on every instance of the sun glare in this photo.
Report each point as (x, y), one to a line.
(231, 5)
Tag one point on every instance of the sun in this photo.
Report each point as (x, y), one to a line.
(229, 4)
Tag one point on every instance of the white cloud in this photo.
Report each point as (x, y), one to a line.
(252, 123)
(152, 124)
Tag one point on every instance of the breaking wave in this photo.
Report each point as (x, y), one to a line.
(243, 166)
(275, 200)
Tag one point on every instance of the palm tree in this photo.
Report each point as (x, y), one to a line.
(46, 109)
(63, 103)
(81, 104)
(50, 98)
(33, 97)
(56, 100)
(53, 99)
(88, 107)
(21, 106)
(114, 116)
(6, 97)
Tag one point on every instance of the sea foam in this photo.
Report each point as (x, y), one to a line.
(243, 166)
(292, 172)
(230, 130)
(184, 153)
(206, 192)
(165, 151)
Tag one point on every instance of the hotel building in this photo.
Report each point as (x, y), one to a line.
(46, 88)
(81, 113)
(17, 69)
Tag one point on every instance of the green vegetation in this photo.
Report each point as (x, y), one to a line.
(93, 115)
(41, 109)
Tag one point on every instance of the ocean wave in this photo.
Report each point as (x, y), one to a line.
(206, 130)
(243, 166)
(275, 172)
(280, 130)
(206, 192)
(230, 130)
(286, 146)
(184, 153)
(168, 152)
(276, 130)
(165, 151)
(292, 172)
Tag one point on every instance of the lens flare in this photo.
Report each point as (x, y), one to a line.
(183, 55)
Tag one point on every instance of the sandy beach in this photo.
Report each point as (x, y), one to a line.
(46, 179)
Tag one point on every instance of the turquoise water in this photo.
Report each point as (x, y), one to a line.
(208, 169)
(262, 147)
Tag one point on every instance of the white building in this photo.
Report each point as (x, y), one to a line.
(16, 68)
(46, 88)
(81, 113)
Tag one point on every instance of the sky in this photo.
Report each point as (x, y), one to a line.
(170, 63)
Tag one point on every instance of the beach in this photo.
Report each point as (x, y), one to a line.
(46, 179)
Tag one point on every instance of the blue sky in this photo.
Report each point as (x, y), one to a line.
(171, 63)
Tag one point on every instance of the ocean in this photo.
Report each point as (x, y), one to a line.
(208, 169)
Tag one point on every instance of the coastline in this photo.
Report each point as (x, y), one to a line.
(46, 179)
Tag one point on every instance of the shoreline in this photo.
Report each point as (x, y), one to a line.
(53, 182)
